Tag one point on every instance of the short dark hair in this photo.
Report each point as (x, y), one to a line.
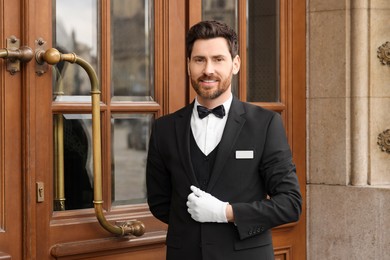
(212, 29)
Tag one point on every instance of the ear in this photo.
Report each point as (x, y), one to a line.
(236, 64)
(188, 67)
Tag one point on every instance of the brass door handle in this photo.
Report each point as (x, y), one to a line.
(53, 56)
(14, 54)
(23, 54)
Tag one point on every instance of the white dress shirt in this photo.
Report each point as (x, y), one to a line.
(208, 131)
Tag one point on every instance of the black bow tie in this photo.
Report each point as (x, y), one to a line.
(218, 111)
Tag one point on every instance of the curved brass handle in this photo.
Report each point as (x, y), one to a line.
(134, 227)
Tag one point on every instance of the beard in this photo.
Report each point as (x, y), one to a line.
(211, 92)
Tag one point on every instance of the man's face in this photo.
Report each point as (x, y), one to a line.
(211, 68)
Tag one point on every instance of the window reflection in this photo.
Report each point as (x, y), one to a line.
(76, 30)
(263, 51)
(132, 50)
(130, 137)
(224, 11)
(220, 10)
(73, 176)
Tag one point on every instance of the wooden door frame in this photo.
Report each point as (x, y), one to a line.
(34, 27)
(11, 171)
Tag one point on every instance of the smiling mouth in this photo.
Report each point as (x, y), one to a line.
(208, 84)
(208, 80)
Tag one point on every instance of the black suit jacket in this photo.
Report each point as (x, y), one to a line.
(244, 183)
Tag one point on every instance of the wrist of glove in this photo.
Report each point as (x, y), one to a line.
(204, 207)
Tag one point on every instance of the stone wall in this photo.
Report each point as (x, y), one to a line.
(348, 100)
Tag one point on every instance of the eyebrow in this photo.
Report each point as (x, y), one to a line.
(213, 57)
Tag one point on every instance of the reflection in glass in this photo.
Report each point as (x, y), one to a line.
(130, 137)
(263, 51)
(132, 50)
(220, 10)
(73, 175)
(224, 11)
(75, 26)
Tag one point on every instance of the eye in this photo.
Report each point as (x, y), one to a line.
(198, 59)
(219, 59)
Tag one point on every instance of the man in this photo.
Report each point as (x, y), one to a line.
(208, 175)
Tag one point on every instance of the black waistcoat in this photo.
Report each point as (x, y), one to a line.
(202, 164)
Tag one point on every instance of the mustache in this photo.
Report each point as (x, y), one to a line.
(208, 78)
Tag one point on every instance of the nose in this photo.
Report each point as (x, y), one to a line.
(209, 68)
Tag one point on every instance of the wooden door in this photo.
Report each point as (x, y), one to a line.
(123, 42)
(137, 49)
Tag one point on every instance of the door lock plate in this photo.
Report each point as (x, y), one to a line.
(13, 65)
(41, 67)
(40, 192)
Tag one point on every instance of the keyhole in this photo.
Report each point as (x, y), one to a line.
(40, 192)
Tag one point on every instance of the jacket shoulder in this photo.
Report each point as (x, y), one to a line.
(253, 111)
(179, 113)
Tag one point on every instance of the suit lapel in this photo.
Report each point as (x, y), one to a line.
(183, 128)
(232, 129)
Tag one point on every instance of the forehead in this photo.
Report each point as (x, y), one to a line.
(210, 47)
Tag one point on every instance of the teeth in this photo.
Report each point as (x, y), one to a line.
(209, 81)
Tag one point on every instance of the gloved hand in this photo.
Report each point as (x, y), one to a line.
(204, 207)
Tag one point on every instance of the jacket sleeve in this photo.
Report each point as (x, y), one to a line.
(278, 171)
(158, 182)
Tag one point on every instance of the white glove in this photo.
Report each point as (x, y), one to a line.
(204, 207)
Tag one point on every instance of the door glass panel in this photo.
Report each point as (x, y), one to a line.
(225, 11)
(73, 175)
(75, 29)
(132, 50)
(263, 51)
(130, 136)
(220, 10)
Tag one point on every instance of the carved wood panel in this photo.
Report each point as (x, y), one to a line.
(283, 253)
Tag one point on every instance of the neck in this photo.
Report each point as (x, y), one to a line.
(212, 103)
